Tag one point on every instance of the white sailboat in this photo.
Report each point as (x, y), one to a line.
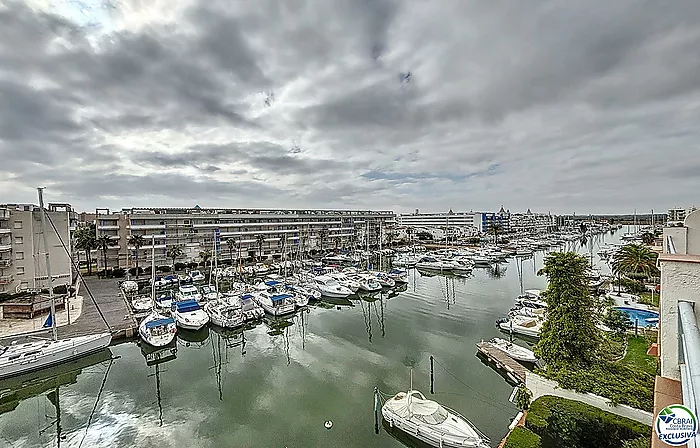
(27, 357)
(156, 329)
(431, 422)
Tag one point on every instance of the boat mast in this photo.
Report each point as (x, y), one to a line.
(215, 270)
(40, 190)
(153, 271)
(380, 245)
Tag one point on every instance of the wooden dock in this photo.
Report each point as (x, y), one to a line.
(512, 368)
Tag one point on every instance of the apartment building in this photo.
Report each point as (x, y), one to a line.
(679, 337)
(22, 259)
(678, 215)
(198, 229)
(532, 223)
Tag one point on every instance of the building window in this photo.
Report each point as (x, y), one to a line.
(19, 240)
(19, 255)
(18, 224)
(20, 270)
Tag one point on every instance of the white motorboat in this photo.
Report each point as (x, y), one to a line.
(524, 325)
(130, 287)
(189, 315)
(164, 302)
(141, 304)
(398, 275)
(431, 422)
(20, 358)
(462, 265)
(331, 288)
(197, 276)
(208, 292)
(225, 315)
(345, 281)
(383, 279)
(433, 264)
(307, 289)
(275, 304)
(157, 330)
(188, 292)
(251, 310)
(481, 260)
(515, 351)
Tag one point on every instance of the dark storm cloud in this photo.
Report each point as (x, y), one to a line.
(550, 105)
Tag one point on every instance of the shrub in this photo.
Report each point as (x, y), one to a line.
(192, 265)
(563, 423)
(523, 397)
(164, 268)
(642, 442)
(523, 438)
(617, 321)
(633, 286)
(118, 272)
(180, 266)
(132, 271)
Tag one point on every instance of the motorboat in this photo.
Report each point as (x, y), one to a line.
(208, 292)
(141, 304)
(157, 330)
(462, 265)
(481, 260)
(524, 325)
(197, 276)
(345, 281)
(184, 279)
(330, 287)
(189, 315)
(164, 301)
(188, 292)
(20, 358)
(275, 304)
(433, 264)
(383, 279)
(251, 310)
(308, 290)
(223, 314)
(398, 275)
(130, 287)
(431, 422)
(515, 351)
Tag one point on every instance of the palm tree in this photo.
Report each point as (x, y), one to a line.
(494, 230)
(86, 240)
(260, 240)
(648, 238)
(205, 255)
(635, 259)
(389, 237)
(231, 243)
(136, 241)
(322, 235)
(103, 242)
(410, 231)
(173, 253)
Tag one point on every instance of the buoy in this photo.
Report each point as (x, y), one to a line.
(328, 424)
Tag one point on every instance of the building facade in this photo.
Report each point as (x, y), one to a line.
(532, 223)
(22, 251)
(678, 215)
(252, 232)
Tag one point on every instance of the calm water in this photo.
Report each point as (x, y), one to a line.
(288, 377)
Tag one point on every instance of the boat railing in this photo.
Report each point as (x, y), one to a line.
(473, 426)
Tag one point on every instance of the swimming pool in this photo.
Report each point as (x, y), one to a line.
(645, 318)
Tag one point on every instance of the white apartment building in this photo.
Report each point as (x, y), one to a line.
(532, 223)
(442, 220)
(195, 229)
(678, 215)
(22, 259)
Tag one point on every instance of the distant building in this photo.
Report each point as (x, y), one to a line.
(678, 215)
(532, 223)
(195, 229)
(22, 259)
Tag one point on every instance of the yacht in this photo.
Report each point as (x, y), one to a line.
(157, 330)
(164, 302)
(141, 303)
(524, 325)
(398, 275)
(188, 292)
(330, 287)
(481, 260)
(251, 310)
(433, 264)
(383, 279)
(430, 422)
(189, 315)
(275, 304)
(197, 276)
(225, 315)
(345, 281)
(515, 351)
(208, 292)
(366, 283)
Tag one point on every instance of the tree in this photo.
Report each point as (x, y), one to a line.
(494, 230)
(86, 240)
(137, 242)
(174, 253)
(635, 259)
(648, 238)
(569, 335)
(103, 242)
(205, 255)
(617, 321)
(231, 243)
(389, 237)
(322, 235)
(410, 231)
(260, 240)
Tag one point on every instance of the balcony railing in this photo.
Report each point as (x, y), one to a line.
(6, 279)
(5, 263)
(5, 247)
(690, 356)
(4, 213)
(108, 227)
(147, 226)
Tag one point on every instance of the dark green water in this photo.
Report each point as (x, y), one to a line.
(279, 388)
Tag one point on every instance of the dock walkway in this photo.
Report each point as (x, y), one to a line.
(115, 310)
(502, 361)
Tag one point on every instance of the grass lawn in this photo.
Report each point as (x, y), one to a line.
(645, 297)
(636, 355)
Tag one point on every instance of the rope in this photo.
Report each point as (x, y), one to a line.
(97, 400)
(77, 269)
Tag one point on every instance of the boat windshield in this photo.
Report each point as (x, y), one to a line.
(435, 418)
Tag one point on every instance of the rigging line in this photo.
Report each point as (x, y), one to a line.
(97, 400)
(462, 382)
(77, 270)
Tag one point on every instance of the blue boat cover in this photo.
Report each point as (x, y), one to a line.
(272, 283)
(396, 271)
(187, 305)
(159, 322)
(246, 297)
(279, 297)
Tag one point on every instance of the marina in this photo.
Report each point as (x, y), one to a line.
(294, 372)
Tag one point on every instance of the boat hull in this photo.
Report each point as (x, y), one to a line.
(429, 437)
(82, 346)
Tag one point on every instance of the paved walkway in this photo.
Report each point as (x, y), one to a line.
(109, 299)
(15, 326)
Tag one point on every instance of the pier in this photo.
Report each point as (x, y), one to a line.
(112, 305)
(502, 361)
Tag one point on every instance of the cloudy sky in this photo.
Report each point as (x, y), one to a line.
(586, 106)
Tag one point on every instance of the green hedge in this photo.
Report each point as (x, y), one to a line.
(522, 438)
(563, 423)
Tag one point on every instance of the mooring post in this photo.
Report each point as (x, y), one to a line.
(376, 409)
(432, 376)
(636, 326)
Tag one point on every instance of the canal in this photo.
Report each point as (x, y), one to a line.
(275, 385)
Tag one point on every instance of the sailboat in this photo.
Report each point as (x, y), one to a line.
(431, 422)
(21, 358)
(156, 329)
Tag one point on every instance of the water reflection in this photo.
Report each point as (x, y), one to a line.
(155, 357)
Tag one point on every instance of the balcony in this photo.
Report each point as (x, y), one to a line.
(5, 247)
(5, 263)
(6, 279)
(108, 227)
(4, 213)
(147, 227)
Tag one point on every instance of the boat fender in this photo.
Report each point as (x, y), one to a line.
(328, 424)
(391, 423)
